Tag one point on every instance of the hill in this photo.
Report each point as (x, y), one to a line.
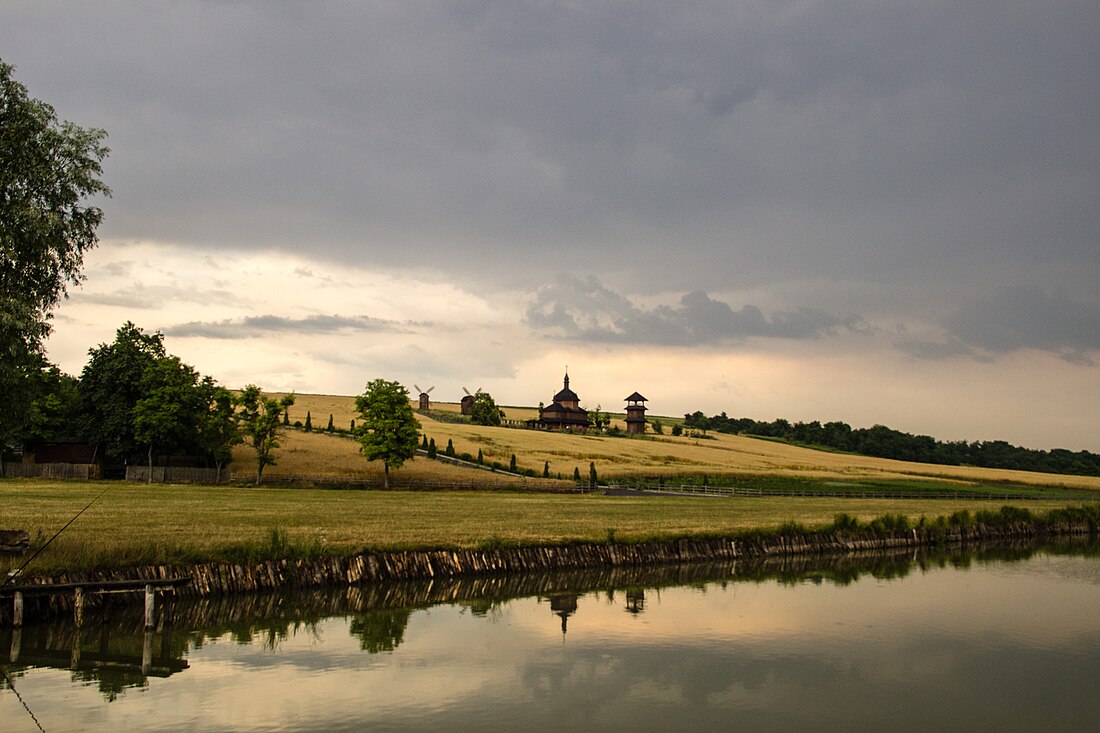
(720, 455)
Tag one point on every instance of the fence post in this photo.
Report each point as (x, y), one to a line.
(78, 607)
(17, 610)
(150, 612)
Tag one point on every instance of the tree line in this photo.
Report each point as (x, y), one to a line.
(883, 442)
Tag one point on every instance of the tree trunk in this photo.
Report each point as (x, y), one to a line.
(150, 464)
(386, 475)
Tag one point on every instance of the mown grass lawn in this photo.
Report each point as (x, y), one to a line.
(133, 524)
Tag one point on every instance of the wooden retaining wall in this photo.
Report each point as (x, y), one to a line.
(213, 579)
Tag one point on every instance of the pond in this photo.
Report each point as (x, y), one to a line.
(1004, 639)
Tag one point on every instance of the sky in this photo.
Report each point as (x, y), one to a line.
(881, 213)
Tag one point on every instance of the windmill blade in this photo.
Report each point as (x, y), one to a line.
(429, 390)
(478, 391)
(418, 388)
(467, 391)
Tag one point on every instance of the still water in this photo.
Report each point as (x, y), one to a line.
(1004, 640)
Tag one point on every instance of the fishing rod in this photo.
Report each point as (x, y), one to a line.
(15, 573)
(11, 686)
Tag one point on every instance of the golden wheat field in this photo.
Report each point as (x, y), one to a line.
(319, 453)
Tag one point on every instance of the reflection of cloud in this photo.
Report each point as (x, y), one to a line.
(584, 309)
(253, 326)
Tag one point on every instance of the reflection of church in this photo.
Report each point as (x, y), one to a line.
(564, 413)
(564, 606)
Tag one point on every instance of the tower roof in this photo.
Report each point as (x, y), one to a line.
(566, 394)
(635, 398)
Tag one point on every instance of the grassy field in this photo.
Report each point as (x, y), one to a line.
(720, 455)
(133, 524)
(138, 524)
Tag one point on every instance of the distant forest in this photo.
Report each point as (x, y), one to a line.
(883, 442)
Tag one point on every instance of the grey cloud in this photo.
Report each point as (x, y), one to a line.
(254, 326)
(584, 309)
(751, 143)
(144, 297)
(1027, 318)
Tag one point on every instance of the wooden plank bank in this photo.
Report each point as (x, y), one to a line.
(213, 579)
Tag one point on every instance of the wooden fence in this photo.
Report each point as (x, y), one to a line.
(81, 471)
(177, 475)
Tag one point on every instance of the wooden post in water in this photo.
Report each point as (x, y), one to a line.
(147, 653)
(78, 607)
(150, 611)
(17, 610)
(16, 644)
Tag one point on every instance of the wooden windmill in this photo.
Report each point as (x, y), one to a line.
(424, 404)
(468, 401)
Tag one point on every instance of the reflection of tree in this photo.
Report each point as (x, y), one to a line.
(380, 630)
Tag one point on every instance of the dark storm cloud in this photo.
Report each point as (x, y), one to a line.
(583, 309)
(254, 326)
(707, 145)
(1014, 319)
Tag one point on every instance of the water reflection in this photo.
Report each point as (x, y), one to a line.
(856, 642)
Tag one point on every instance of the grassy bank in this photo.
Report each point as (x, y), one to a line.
(138, 524)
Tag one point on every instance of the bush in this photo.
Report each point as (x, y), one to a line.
(844, 522)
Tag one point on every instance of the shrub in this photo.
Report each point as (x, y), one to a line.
(450, 449)
(309, 422)
(677, 430)
(546, 469)
(431, 448)
(844, 522)
(512, 464)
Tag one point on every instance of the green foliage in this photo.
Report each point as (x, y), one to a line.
(331, 426)
(260, 424)
(389, 429)
(576, 474)
(450, 449)
(48, 169)
(658, 427)
(677, 430)
(221, 428)
(593, 478)
(173, 408)
(112, 383)
(432, 451)
(512, 464)
(424, 442)
(480, 457)
(546, 469)
(484, 410)
(844, 522)
(54, 405)
(308, 427)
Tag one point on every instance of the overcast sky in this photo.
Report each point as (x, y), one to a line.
(870, 212)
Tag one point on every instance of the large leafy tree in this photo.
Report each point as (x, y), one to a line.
(112, 383)
(48, 171)
(388, 430)
(173, 409)
(221, 429)
(261, 420)
(484, 410)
